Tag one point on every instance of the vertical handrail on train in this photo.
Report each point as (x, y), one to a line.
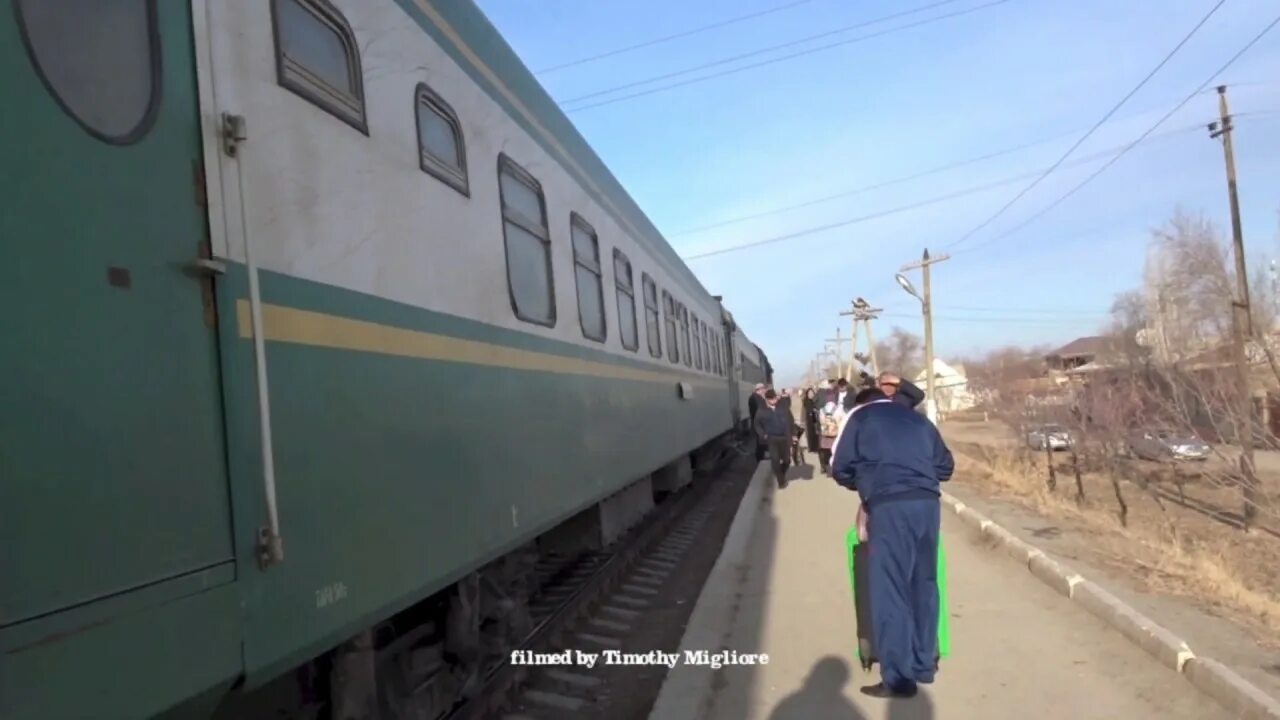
(270, 543)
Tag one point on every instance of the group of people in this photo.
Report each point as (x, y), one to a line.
(871, 439)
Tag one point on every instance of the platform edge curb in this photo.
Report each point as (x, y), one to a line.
(687, 694)
(1244, 699)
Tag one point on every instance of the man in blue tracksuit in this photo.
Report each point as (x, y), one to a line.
(895, 459)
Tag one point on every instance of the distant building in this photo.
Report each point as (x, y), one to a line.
(1081, 355)
(951, 387)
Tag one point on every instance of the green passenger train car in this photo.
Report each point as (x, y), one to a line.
(323, 314)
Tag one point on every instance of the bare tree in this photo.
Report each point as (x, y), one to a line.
(902, 352)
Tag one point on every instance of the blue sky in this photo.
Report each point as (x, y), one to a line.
(1018, 73)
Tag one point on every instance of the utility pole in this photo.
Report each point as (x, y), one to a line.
(1242, 325)
(839, 341)
(862, 312)
(926, 304)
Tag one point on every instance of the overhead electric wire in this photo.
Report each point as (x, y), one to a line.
(771, 61)
(675, 36)
(754, 53)
(1114, 109)
(888, 183)
(903, 208)
(1061, 199)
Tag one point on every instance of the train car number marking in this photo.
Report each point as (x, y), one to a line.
(330, 594)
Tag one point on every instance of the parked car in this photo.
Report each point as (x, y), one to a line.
(1168, 446)
(1054, 437)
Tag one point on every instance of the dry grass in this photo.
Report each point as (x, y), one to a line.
(1170, 549)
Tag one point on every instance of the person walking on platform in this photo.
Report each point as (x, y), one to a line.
(810, 420)
(773, 426)
(895, 459)
(754, 402)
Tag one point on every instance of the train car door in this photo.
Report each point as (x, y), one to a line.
(735, 408)
(112, 456)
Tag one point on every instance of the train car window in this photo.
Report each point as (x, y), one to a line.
(684, 335)
(589, 278)
(625, 291)
(715, 348)
(528, 244)
(99, 60)
(652, 323)
(669, 316)
(442, 152)
(700, 338)
(317, 58)
(694, 354)
(706, 347)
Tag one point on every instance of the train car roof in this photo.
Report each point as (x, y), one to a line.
(462, 29)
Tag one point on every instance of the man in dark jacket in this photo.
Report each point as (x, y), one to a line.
(895, 459)
(754, 402)
(773, 425)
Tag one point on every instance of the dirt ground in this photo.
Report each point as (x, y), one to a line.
(1179, 555)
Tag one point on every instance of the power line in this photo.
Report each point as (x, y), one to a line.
(1047, 311)
(1115, 108)
(1131, 145)
(676, 36)
(1048, 322)
(751, 54)
(894, 181)
(904, 208)
(763, 63)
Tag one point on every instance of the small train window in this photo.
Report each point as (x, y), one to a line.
(441, 149)
(707, 347)
(100, 61)
(528, 244)
(626, 295)
(669, 315)
(684, 335)
(652, 323)
(589, 277)
(697, 343)
(317, 58)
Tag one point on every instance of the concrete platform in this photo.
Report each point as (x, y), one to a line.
(1019, 650)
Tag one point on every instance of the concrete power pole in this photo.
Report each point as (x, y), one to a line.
(926, 303)
(839, 341)
(862, 312)
(1242, 325)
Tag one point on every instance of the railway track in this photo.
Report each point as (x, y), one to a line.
(595, 603)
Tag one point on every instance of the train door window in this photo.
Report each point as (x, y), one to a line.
(698, 345)
(669, 315)
(715, 348)
(528, 244)
(626, 294)
(441, 150)
(589, 278)
(684, 335)
(317, 58)
(652, 323)
(700, 337)
(99, 60)
(706, 348)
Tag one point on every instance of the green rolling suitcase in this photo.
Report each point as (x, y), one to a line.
(857, 556)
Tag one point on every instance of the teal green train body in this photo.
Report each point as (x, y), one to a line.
(419, 430)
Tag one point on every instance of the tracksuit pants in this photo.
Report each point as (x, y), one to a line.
(779, 458)
(903, 558)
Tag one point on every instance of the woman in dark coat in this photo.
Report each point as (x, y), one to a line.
(811, 419)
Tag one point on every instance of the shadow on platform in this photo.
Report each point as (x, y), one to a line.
(822, 696)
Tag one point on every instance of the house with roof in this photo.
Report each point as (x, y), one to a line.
(950, 386)
(1082, 355)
